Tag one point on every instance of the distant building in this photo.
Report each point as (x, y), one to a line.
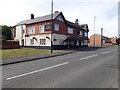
(113, 40)
(37, 32)
(98, 41)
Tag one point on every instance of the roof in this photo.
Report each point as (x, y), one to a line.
(73, 24)
(38, 19)
(48, 17)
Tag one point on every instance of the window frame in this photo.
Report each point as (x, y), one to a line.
(42, 27)
(31, 30)
(42, 41)
(31, 41)
(70, 30)
(56, 27)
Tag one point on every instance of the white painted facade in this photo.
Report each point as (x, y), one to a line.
(59, 39)
(20, 34)
(56, 38)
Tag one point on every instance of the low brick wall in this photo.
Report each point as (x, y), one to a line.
(9, 45)
(107, 44)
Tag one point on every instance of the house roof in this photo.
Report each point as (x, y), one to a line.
(39, 19)
(73, 24)
(48, 17)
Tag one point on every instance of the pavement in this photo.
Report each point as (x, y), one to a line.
(43, 56)
(87, 68)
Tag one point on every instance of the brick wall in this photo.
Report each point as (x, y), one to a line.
(97, 41)
(9, 45)
(106, 42)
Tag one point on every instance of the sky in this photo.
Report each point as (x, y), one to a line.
(105, 11)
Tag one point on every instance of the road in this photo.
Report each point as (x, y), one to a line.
(83, 69)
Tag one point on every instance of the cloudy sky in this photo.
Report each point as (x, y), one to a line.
(106, 12)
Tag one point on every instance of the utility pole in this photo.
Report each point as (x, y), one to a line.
(94, 31)
(101, 36)
(52, 27)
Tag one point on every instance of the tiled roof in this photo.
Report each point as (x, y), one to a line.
(38, 19)
(47, 18)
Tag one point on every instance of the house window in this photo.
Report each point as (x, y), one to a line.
(56, 27)
(86, 34)
(31, 30)
(47, 26)
(31, 41)
(42, 41)
(81, 33)
(70, 30)
(85, 42)
(42, 28)
(60, 18)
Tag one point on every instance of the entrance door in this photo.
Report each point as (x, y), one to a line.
(22, 42)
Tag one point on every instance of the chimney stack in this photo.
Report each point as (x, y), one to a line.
(56, 11)
(77, 21)
(32, 16)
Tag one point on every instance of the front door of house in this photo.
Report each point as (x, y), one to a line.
(22, 42)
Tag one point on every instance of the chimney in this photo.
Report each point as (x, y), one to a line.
(56, 11)
(32, 16)
(77, 21)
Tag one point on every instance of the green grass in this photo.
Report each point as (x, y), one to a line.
(14, 53)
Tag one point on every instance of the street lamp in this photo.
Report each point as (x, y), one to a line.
(51, 25)
(94, 31)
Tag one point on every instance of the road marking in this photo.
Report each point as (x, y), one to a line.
(106, 52)
(89, 57)
(17, 76)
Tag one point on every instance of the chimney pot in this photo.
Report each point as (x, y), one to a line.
(32, 16)
(56, 11)
(77, 21)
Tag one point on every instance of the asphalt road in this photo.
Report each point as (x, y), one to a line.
(83, 69)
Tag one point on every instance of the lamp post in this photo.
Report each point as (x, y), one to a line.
(51, 26)
(101, 36)
(94, 31)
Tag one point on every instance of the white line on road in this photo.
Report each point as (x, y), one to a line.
(106, 52)
(89, 56)
(17, 76)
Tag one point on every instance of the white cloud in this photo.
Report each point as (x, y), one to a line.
(105, 11)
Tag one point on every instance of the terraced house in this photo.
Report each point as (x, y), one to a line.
(37, 32)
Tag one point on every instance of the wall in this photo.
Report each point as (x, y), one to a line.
(38, 37)
(59, 39)
(20, 33)
(9, 45)
(97, 40)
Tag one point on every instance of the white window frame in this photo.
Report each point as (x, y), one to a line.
(42, 28)
(42, 41)
(56, 27)
(81, 33)
(31, 30)
(31, 41)
(86, 34)
(59, 18)
(70, 30)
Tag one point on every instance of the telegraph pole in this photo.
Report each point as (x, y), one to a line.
(52, 27)
(101, 36)
(94, 31)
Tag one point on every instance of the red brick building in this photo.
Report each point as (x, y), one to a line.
(37, 32)
(113, 40)
(98, 41)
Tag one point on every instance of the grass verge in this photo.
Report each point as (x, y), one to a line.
(14, 53)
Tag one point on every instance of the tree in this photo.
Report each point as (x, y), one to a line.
(6, 32)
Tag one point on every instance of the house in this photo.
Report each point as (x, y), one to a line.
(98, 41)
(37, 32)
(114, 40)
